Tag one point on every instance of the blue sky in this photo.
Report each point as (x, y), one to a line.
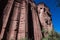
(55, 12)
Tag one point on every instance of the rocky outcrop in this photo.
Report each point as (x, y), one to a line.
(23, 19)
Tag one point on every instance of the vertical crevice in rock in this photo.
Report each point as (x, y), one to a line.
(2, 6)
(30, 23)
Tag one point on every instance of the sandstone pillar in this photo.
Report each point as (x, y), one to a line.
(13, 25)
(36, 25)
(6, 12)
(23, 29)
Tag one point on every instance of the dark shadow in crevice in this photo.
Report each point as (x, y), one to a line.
(2, 6)
(48, 14)
(30, 23)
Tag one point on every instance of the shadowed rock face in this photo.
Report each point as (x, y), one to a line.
(23, 19)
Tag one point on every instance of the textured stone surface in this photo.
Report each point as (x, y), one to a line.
(36, 25)
(45, 18)
(23, 22)
(16, 16)
(6, 13)
(13, 25)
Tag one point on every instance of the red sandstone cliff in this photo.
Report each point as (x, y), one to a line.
(23, 19)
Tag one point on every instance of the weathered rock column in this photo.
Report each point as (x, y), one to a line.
(13, 25)
(45, 19)
(6, 12)
(36, 25)
(23, 25)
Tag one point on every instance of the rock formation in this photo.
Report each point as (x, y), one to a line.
(23, 19)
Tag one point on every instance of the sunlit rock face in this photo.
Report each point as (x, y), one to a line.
(23, 19)
(45, 18)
